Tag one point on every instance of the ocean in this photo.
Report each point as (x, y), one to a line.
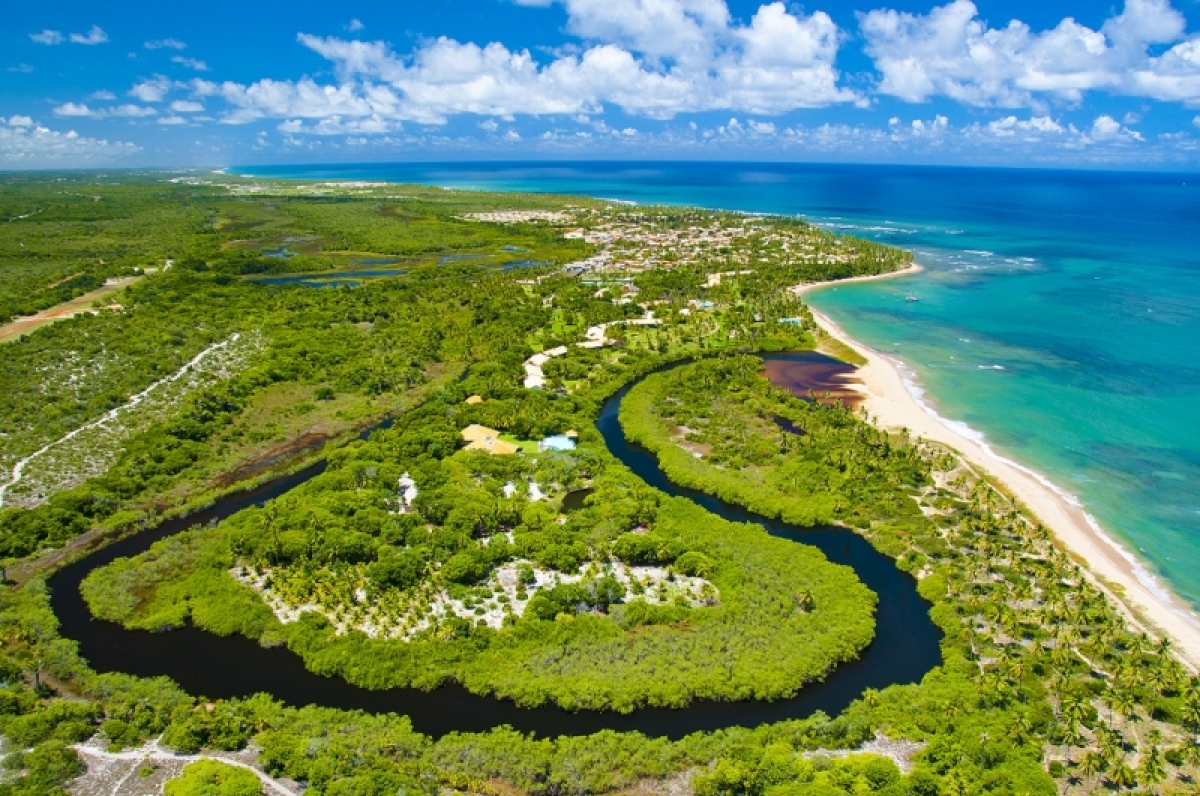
(1058, 316)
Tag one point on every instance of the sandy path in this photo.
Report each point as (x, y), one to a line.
(68, 309)
(890, 397)
(127, 763)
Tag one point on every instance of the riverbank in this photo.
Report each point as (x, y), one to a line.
(892, 399)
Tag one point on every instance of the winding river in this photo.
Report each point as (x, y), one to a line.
(905, 647)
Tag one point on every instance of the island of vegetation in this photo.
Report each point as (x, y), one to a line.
(486, 535)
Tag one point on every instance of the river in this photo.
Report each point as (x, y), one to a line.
(905, 647)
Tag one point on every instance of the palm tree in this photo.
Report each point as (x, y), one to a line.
(1152, 769)
(1124, 702)
(1093, 764)
(1020, 728)
(1122, 775)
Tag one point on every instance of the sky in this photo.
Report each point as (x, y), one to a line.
(986, 82)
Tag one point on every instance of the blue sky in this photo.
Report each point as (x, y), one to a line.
(1020, 83)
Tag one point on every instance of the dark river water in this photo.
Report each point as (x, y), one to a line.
(906, 643)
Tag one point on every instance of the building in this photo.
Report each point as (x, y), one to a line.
(482, 438)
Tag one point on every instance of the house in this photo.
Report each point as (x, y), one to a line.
(408, 493)
(482, 438)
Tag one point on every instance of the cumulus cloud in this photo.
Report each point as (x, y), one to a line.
(102, 95)
(151, 90)
(354, 26)
(336, 125)
(131, 111)
(1106, 128)
(190, 63)
(186, 106)
(93, 36)
(651, 58)
(20, 121)
(74, 109)
(165, 44)
(35, 146)
(172, 120)
(47, 37)
(951, 52)
(1033, 128)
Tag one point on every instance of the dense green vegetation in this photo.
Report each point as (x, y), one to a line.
(783, 616)
(213, 778)
(1036, 657)
(804, 462)
(1044, 686)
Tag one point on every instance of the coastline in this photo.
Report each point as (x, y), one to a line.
(892, 399)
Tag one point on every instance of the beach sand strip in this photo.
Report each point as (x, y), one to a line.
(891, 404)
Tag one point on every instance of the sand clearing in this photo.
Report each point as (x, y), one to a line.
(24, 325)
(890, 397)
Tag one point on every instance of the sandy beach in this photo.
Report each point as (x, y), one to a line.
(891, 397)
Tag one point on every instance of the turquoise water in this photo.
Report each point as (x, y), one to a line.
(1059, 312)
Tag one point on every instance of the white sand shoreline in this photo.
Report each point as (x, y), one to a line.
(894, 399)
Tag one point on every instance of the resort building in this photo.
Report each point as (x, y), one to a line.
(482, 438)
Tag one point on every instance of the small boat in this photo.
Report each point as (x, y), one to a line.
(911, 298)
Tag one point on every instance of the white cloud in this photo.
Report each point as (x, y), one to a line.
(93, 36)
(165, 44)
(489, 125)
(20, 121)
(74, 109)
(1106, 129)
(34, 146)
(336, 125)
(152, 90)
(22, 68)
(102, 95)
(190, 63)
(304, 98)
(186, 106)
(131, 111)
(1035, 127)
(47, 37)
(172, 120)
(951, 52)
(651, 58)
(512, 135)
(680, 30)
(1196, 121)
(354, 26)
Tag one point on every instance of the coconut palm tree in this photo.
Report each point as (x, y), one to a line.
(1093, 764)
(1121, 775)
(1152, 769)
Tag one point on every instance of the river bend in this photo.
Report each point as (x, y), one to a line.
(905, 647)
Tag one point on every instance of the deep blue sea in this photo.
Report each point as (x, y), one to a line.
(1059, 312)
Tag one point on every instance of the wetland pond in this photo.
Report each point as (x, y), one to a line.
(905, 647)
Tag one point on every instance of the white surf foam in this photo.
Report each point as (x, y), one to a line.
(1150, 581)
